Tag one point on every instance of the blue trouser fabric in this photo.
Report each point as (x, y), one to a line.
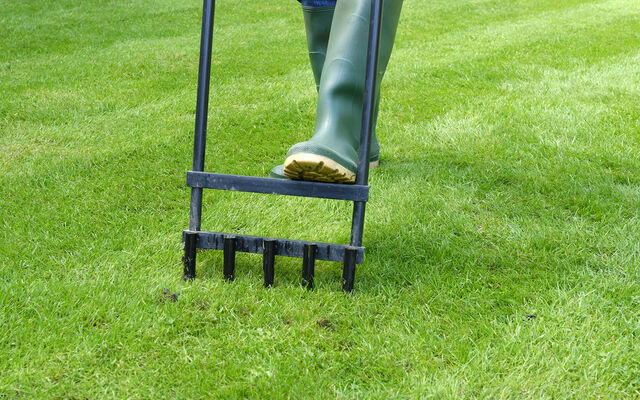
(317, 3)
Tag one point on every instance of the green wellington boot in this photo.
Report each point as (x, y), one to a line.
(317, 22)
(331, 154)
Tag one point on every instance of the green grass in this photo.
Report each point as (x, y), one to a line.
(509, 186)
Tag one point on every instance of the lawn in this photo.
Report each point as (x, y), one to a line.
(502, 235)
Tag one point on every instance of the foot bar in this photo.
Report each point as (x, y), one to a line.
(277, 186)
(284, 247)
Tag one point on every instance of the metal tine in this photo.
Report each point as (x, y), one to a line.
(268, 260)
(309, 265)
(349, 271)
(229, 254)
(189, 259)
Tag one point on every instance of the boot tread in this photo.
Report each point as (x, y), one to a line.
(312, 167)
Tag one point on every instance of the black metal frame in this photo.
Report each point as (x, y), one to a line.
(197, 179)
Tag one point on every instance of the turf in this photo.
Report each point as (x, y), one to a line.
(503, 231)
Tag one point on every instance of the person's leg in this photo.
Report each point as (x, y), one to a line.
(331, 154)
(318, 16)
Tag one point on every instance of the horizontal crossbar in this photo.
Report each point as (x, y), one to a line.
(277, 186)
(284, 247)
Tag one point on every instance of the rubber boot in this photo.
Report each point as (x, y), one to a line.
(331, 154)
(317, 22)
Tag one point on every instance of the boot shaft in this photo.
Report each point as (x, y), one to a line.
(317, 22)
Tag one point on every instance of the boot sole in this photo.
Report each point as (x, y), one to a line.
(312, 167)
